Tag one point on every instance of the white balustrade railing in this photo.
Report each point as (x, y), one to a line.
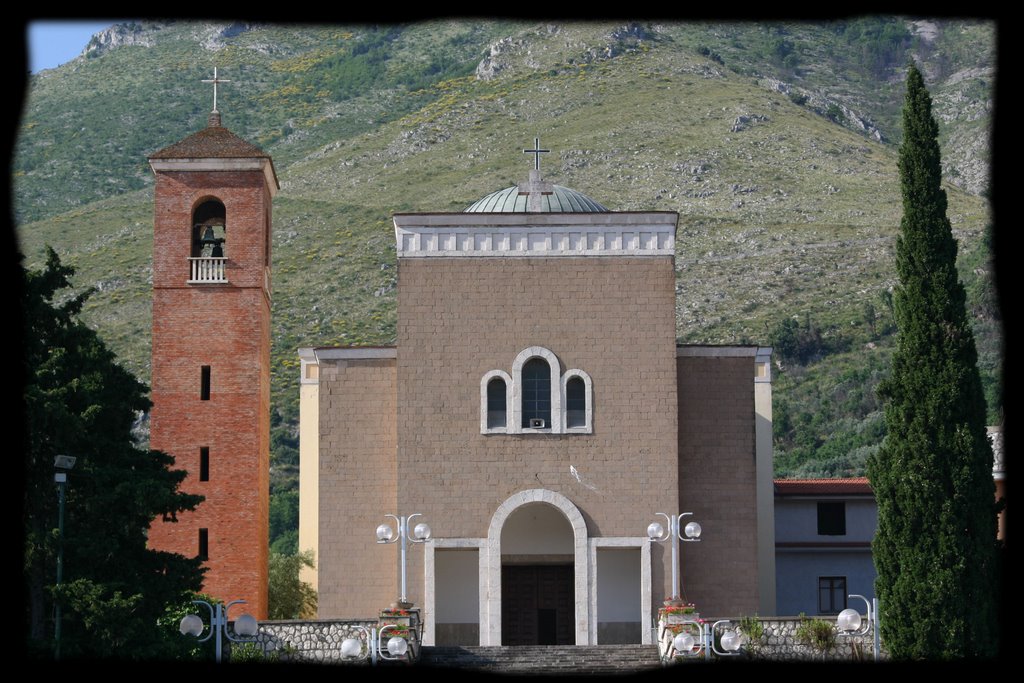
(207, 269)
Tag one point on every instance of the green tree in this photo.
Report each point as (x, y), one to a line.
(290, 597)
(80, 402)
(935, 549)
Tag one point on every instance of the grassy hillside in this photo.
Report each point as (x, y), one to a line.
(774, 144)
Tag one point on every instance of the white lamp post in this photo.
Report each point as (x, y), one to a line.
(246, 625)
(352, 647)
(656, 532)
(688, 644)
(850, 623)
(395, 647)
(420, 534)
(730, 641)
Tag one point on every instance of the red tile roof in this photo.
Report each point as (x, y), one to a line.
(822, 487)
(212, 142)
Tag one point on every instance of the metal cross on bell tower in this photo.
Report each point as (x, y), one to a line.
(215, 81)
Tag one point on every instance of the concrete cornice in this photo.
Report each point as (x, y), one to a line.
(535, 234)
(220, 164)
(723, 351)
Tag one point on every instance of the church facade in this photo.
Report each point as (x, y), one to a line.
(538, 414)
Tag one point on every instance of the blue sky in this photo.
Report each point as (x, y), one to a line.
(52, 43)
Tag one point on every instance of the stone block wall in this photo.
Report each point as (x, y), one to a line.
(609, 317)
(717, 482)
(357, 487)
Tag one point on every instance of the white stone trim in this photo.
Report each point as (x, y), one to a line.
(307, 359)
(356, 353)
(488, 376)
(218, 164)
(490, 602)
(430, 577)
(537, 234)
(763, 365)
(516, 426)
(764, 469)
(588, 396)
(718, 351)
(644, 544)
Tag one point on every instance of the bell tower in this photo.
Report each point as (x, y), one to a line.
(211, 352)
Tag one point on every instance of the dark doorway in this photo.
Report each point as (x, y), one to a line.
(537, 605)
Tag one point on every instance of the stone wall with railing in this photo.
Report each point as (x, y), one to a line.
(778, 641)
(319, 640)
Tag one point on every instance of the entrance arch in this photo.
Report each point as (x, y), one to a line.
(576, 547)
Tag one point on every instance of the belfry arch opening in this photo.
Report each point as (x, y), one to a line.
(209, 229)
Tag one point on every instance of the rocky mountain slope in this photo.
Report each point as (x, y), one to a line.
(774, 142)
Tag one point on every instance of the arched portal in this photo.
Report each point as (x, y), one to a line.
(536, 554)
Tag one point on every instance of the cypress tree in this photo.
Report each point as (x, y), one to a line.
(935, 549)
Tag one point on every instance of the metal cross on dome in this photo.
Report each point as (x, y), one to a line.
(215, 81)
(536, 152)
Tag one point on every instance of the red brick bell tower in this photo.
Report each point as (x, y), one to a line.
(211, 352)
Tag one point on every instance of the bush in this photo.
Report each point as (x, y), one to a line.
(817, 633)
(753, 629)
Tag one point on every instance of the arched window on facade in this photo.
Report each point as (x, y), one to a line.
(575, 403)
(496, 403)
(578, 397)
(536, 394)
(495, 398)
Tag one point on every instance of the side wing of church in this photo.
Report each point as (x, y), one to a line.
(538, 413)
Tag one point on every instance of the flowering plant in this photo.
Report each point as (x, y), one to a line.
(685, 608)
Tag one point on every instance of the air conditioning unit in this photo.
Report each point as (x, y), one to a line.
(537, 423)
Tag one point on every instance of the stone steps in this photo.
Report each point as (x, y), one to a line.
(563, 660)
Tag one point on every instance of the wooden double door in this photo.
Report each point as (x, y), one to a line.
(537, 605)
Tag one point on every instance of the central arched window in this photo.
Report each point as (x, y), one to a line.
(536, 394)
(536, 398)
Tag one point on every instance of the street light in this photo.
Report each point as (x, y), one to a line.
(420, 534)
(684, 641)
(730, 641)
(850, 623)
(352, 647)
(656, 532)
(395, 648)
(246, 625)
(698, 638)
(62, 463)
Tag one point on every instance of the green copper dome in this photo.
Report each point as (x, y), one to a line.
(558, 200)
